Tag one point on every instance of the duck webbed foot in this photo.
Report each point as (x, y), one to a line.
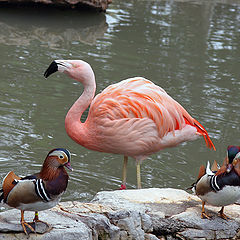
(36, 219)
(27, 227)
(222, 215)
(203, 214)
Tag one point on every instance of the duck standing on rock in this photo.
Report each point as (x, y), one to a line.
(220, 186)
(39, 191)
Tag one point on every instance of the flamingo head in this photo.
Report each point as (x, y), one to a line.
(76, 69)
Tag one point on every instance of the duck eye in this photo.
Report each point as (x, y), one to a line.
(61, 156)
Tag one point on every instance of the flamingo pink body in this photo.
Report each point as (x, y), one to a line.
(133, 117)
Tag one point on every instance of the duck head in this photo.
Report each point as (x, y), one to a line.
(232, 151)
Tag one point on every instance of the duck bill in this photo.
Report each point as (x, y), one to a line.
(229, 168)
(68, 165)
(236, 160)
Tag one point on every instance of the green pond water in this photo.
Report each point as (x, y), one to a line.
(189, 48)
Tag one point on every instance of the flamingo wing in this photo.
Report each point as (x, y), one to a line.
(140, 111)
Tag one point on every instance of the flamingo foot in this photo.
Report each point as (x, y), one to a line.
(123, 187)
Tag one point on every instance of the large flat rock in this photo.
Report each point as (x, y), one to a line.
(131, 214)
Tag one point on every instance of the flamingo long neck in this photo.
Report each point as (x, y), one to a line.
(74, 127)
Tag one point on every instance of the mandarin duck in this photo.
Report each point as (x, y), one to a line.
(220, 186)
(39, 191)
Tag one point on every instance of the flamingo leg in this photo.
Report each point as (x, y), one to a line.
(204, 215)
(222, 215)
(138, 175)
(26, 227)
(124, 173)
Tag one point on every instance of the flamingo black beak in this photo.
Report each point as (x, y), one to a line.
(53, 67)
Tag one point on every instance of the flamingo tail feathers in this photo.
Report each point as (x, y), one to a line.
(202, 131)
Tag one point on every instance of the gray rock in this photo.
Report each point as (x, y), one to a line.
(62, 227)
(149, 236)
(147, 225)
(167, 226)
(128, 221)
(190, 233)
(146, 214)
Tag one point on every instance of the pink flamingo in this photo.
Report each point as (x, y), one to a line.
(133, 117)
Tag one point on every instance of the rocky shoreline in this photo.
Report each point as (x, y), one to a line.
(99, 5)
(146, 214)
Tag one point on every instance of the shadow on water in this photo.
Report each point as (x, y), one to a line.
(57, 27)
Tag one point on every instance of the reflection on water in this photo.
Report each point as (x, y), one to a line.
(190, 48)
(54, 30)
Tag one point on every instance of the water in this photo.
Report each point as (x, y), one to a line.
(190, 48)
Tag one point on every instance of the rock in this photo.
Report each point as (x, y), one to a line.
(62, 227)
(149, 236)
(14, 227)
(146, 214)
(100, 5)
(129, 222)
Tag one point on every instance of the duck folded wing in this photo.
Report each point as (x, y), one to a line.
(9, 182)
(22, 193)
(25, 190)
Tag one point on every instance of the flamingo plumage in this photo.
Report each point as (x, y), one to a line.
(134, 117)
